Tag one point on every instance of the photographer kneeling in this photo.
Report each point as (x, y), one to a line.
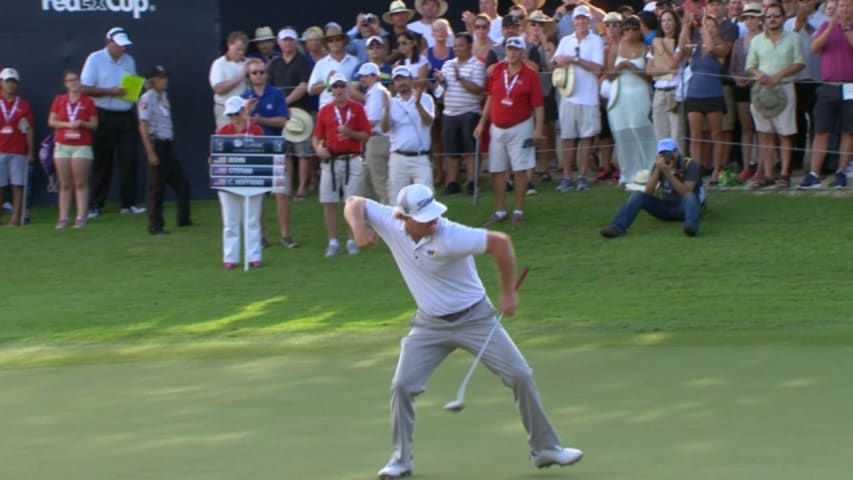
(682, 189)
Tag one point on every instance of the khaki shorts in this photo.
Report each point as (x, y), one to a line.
(579, 121)
(512, 148)
(300, 150)
(783, 124)
(74, 152)
(13, 169)
(342, 187)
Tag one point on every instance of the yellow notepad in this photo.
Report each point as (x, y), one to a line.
(133, 85)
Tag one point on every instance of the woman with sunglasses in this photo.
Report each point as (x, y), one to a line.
(704, 99)
(483, 44)
(540, 40)
(436, 56)
(630, 103)
(612, 37)
(409, 53)
(663, 68)
(74, 117)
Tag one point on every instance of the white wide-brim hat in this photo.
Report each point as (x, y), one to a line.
(299, 126)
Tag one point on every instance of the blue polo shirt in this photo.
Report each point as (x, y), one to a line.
(270, 104)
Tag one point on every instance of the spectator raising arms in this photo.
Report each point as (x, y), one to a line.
(74, 117)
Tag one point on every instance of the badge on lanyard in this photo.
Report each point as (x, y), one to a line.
(341, 121)
(508, 86)
(73, 133)
(7, 116)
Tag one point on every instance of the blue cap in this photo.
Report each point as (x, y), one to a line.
(667, 145)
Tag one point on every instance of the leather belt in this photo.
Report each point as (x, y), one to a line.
(665, 89)
(452, 317)
(407, 153)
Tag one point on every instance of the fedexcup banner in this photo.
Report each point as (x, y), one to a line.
(135, 7)
(247, 166)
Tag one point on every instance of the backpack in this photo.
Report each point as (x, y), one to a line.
(46, 159)
(46, 155)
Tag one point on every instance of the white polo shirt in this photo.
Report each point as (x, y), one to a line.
(439, 270)
(222, 70)
(408, 133)
(457, 100)
(101, 71)
(325, 67)
(585, 91)
(374, 105)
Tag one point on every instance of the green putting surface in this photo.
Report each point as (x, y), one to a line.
(774, 412)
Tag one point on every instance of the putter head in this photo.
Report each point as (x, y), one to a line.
(455, 406)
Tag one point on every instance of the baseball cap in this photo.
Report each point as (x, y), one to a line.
(418, 201)
(9, 74)
(612, 17)
(337, 78)
(287, 33)
(401, 71)
(515, 42)
(368, 69)
(158, 71)
(374, 39)
(233, 105)
(511, 21)
(582, 10)
(119, 36)
(667, 145)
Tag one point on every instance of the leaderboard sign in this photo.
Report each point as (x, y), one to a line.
(246, 165)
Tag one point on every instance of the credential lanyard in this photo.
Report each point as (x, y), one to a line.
(6, 115)
(508, 86)
(72, 114)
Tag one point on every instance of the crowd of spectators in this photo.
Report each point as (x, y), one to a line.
(614, 84)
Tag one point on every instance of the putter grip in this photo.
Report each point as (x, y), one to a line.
(521, 277)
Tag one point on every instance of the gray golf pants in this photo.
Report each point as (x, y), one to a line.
(430, 341)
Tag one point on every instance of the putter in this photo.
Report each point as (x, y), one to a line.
(476, 198)
(458, 404)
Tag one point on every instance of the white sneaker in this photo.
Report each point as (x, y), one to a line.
(394, 469)
(133, 209)
(332, 250)
(556, 456)
(352, 248)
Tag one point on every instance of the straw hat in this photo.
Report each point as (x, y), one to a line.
(263, 33)
(397, 6)
(335, 31)
(539, 17)
(539, 3)
(752, 10)
(298, 127)
(442, 7)
(563, 79)
(768, 101)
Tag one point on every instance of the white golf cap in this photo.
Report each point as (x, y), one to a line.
(516, 42)
(337, 78)
(9, 74)
(374, 39)
(368, 69)
(287, 33)
(119, 36)
(418, 201)
(401, 71)
(581, 11)
(233, 105)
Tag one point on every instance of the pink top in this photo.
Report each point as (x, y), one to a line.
(836, 58)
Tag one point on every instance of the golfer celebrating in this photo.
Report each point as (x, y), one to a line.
(436, 258)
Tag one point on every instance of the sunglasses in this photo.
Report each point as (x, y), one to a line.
(613, 25)
(481, 27)
(258, 72)
(339, 85)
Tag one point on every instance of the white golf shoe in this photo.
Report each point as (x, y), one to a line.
(394, 469)
(556, 456)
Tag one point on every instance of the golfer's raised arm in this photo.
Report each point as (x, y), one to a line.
(499, 246)
(356, 216)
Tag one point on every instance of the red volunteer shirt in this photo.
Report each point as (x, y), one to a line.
(524, 97)
(12, 137)
(83, 109)
(326, 129)
(254, 130)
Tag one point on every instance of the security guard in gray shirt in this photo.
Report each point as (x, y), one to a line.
(156, 130)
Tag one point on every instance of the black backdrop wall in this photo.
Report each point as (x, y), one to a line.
(41, 38)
